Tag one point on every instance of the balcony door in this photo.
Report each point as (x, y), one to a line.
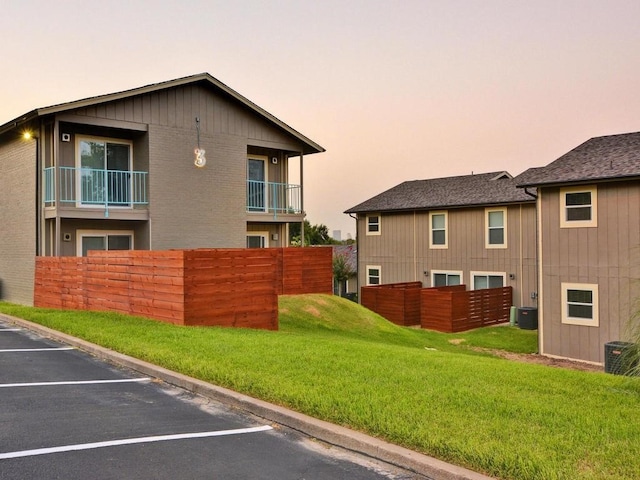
(105, 172)
(256, 184)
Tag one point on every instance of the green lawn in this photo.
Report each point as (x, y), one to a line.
(339, 362)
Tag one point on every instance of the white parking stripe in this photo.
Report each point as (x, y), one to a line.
(10, 329)
(130, 441)
(78, 382)
(13, 350)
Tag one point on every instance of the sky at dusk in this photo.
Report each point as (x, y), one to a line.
(394, 90)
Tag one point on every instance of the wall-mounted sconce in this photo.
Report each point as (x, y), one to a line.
(512, 276)
(426, 273)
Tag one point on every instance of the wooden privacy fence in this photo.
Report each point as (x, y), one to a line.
(446, 309)
(225, 287)
(397, 302)
(456, 310)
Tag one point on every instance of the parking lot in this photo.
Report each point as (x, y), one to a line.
(66, 414)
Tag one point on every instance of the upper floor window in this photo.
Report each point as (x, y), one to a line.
(481, 280)
(496, 228)
(373, 224)
(438, 229)
(578, 207)
(445, 279)
(580, 304)
(374, 275)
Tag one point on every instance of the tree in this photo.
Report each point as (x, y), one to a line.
(341, 270)
(313, 234)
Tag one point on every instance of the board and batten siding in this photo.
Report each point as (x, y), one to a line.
(402, 248)
(607, 255)
(18, 220)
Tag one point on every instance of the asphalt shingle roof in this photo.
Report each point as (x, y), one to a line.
(600, 158)
(469, 190)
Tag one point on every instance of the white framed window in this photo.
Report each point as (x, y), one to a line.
(579, 207)
(374, 274)
(257, 183)
(442, 278)
(103, 172)
(495, 220)
(374, 224)
(580, 304)
(257, 239)
(480, 280)
(103, 240)
(438, 226)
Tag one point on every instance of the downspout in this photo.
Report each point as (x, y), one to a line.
(38, 190)
(538, 267)
(415, 250)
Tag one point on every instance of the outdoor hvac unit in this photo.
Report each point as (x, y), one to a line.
(528, 318)
(618, 357)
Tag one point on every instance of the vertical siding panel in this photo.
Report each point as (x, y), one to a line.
(179, 107)
(120, 110)
(138, 115)
(171, 108)
(146, 109)
(186, 103)
(128, 110)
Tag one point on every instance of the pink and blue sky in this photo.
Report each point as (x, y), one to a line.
(394, 90)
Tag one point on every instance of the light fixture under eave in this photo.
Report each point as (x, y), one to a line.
(27, 135)
(200, 160)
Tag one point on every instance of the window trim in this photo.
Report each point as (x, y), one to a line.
(368, 277)
(78, 163)
(80, 234)
(263, 235)
(487, 243)
(593, 190)
(379, 224)
(445, 245)
(447, 273)
(473, 275)
(566, 319)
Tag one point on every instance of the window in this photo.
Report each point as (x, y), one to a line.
(256, 183)
(481, 280)
(103, 240)
(438, 229)
(104, 172)
(496, 224)
(373, 224)
(580, 304)
(257, 239)
(578, 207)
(445, 279)
(374, 275)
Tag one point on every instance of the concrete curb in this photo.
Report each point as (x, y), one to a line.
(323, 431)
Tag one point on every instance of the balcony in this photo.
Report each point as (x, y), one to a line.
(274, 198)
(97, 188)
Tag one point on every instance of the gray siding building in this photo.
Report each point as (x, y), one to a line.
(187, 163)
(588, 213)
(477, 230)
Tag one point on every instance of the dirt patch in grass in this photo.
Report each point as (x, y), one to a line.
(548, 361)
(457, 341)
(312, 310)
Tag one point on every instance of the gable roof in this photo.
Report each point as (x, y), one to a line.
(202, 78)
(612, 157)
(493, 188)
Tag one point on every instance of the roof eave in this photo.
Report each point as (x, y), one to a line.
(312, 147)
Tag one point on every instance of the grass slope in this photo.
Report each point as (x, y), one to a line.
(335, 360)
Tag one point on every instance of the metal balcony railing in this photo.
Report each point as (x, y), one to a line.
(276, 198)
(95, 187)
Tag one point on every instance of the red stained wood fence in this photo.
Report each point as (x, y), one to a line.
(225, 287)
(445, 309)
(456, 310)
(397, 302)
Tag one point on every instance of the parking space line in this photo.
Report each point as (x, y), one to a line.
(10, 329)
(72, 382)
(50, 349)
(131, 441)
